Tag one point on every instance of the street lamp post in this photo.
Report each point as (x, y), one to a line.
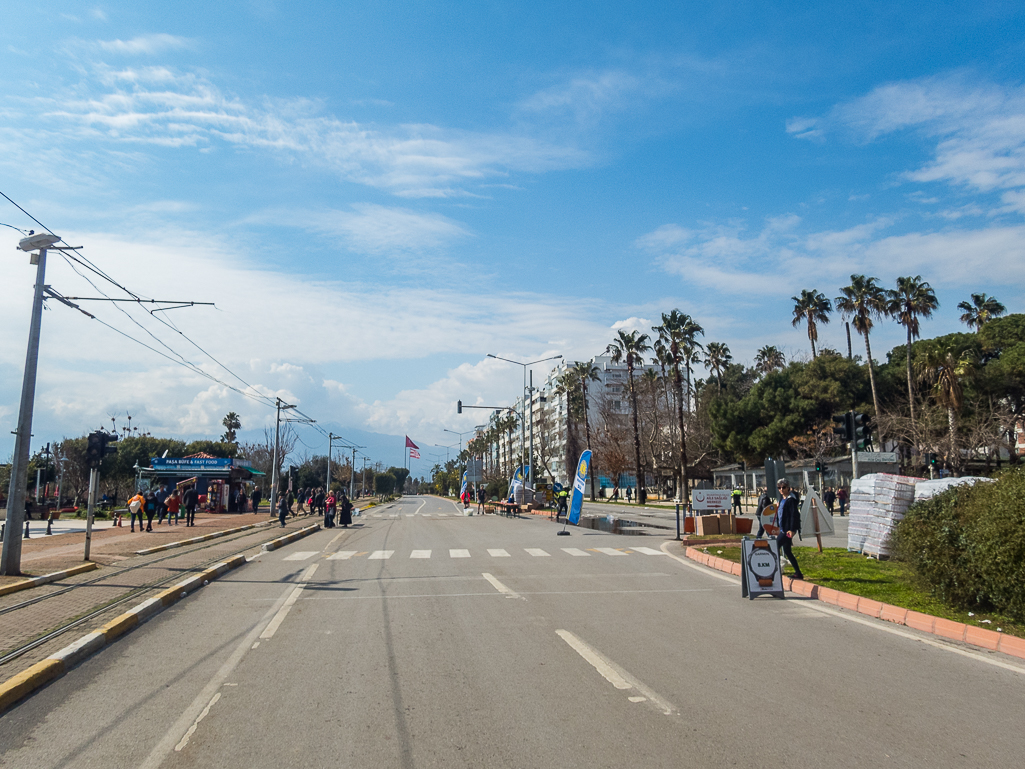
(281, 406)
(10, 558)
(523, 426)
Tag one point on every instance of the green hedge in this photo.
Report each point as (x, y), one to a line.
(968, 545)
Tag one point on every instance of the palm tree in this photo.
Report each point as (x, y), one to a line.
(811, 307)
(678, 333)
(717, 358)
(947, 373)
(982, 309)
(232, 424)
(913, 298)
(629, 347)
(769, 359)
(861, 301)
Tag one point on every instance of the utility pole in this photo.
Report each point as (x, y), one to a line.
(363, 480)
(10, 558)
(530, 395)
(330, 443)
(280, 406)
(352, 473)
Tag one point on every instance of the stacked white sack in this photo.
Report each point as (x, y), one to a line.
(878, 502)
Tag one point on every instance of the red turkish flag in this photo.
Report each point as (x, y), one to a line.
(410, 444)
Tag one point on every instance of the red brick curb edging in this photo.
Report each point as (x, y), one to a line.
(945, 628)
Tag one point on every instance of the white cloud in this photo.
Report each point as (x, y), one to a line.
(978, 129)
(144, 44)
(374, 229)
(160, 106)
(265, 334)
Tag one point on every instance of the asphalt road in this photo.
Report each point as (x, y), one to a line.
(421, 640)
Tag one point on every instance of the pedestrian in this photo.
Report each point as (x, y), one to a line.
(161, 497)
(241, 500)
(257, 496)
(788, 518)
(737, 494)
(150, 508)
(189, 499)
(481, 497)
(173, 503)
(829, 498)
(329, 510)
(290, 500)
(629, 494)
(300, 499)
(321, 499)
(562, 508)
(282, 509)
(764, 501)
(345, 506)
(841, 497)
(136, 506)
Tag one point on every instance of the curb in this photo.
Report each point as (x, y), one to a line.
(944, 628)
(274, 544)
(204, 538)
(59, 663)
(14, 587)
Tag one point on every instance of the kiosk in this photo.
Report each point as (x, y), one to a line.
(217, 479)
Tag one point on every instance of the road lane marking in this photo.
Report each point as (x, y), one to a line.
(342, 555)
(647, 551)
(458, 553)
(275, 623)
(502, 588)
(427, 515)
(536, 552)
(420, 554)
(575, 551)
(336, 537)
(302, 555)
(421, 507)
(195, 724)
(410, 515)
(381, 555)
(498, 553)
(608, 550)
(615, 675)
(173, 735)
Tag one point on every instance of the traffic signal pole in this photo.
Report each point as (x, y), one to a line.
(854, 446)
(10, 557)
(94, 482)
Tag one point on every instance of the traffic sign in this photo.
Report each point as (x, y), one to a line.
(710, 499)
(760, 572)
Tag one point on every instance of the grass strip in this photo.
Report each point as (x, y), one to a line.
(891, 582)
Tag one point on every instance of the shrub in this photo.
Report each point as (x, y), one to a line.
(968, 545)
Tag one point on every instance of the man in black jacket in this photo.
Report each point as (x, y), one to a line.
(788, 518)
(189, 499)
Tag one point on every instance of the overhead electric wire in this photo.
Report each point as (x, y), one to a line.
(72, 257)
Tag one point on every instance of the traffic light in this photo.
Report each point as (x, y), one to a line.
(743, 466)
(459, 407)
(845, 429)
(94, 449)
(820, 466)
(932, 458)
(862, 432)
(106, 440)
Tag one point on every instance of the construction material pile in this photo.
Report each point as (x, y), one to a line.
(878, 502)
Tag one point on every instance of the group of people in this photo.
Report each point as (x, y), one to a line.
(316, 501)
(163, 503)
(833, 496)
(241, 501)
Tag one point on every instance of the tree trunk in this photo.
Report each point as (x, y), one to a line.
(587, 435)
(952, 424)
(911, 392)
(872, 376)
(811, 337)
(684, 480)
(637, 434)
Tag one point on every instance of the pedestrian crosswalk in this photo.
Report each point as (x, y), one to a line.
(496, 552)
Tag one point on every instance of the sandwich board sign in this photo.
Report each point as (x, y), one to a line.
(760, 572)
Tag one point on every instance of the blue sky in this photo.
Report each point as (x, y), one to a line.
(377, 195)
